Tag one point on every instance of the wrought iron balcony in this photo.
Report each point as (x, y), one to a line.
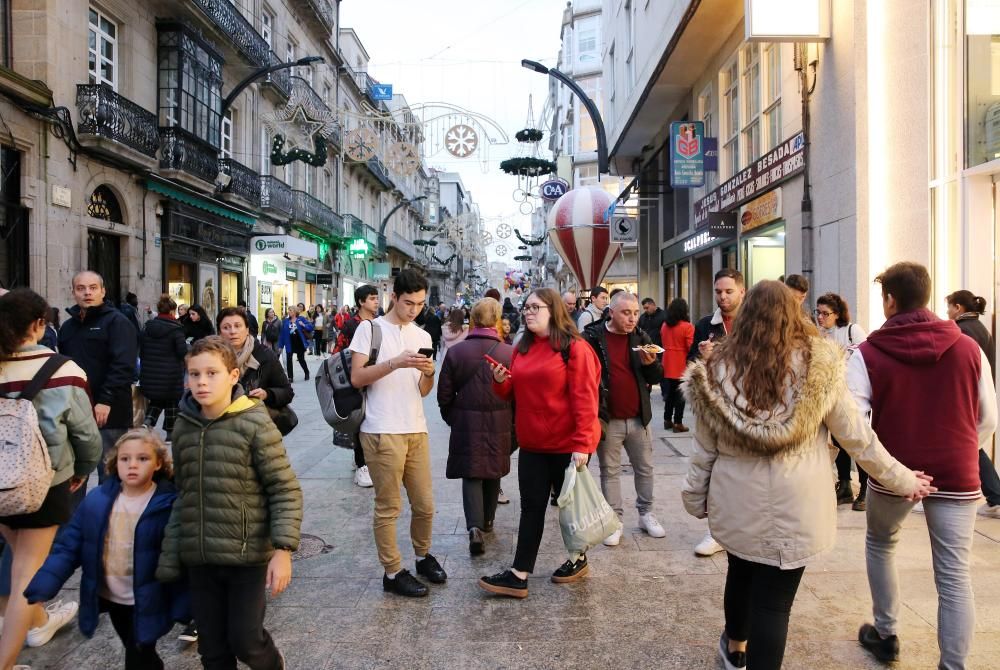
(279, 81)
(276, 197)
(322, 12)
(396, 241)
(381, 174)
(244, 183)
(110, 122)
(185, 154)
(308, 209)
(231, 22)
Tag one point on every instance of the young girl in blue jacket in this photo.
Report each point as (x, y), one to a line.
(115, 536)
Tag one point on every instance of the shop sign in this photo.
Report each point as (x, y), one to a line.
(624, 229)
(291, 274)
(722, 225)
(711, 154)
(310, 278)
(692, 245)
(277, 245)
(358, 248)
(205, 234)
(687, 154)
(553, 189)
(270, 268)
(265, 292)
(324, 278)
(761, 211)
(776, 166)
(380, 271)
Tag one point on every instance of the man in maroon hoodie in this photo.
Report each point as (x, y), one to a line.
(902, 373)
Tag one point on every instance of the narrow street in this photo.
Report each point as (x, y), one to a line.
(647, 603)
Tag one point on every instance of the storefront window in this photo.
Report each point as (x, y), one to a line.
(229, 289)
(764, 255)
(180, 282)
(982, 71)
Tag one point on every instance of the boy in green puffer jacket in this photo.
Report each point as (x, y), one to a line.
(238, 511)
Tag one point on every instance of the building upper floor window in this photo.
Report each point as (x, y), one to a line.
(189, 83)
(265, 151)
(6, 46)
(611, 76)
(587, 136)
(290, 55)
(267, 28)
(630, 42)
(772, 95)
(226, 148)
(730, 85)
(750, 85)
(588, 43)
(102, 49)
(751, 101)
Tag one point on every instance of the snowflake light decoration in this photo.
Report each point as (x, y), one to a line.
(360, 144)
(461, 141)
(403, 158)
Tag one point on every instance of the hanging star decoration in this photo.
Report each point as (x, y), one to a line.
(301, 125)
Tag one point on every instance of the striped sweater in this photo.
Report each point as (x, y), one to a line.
(65, 413)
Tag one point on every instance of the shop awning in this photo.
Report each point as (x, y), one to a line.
(181, 194)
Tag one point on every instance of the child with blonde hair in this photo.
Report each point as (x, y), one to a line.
(115, 536)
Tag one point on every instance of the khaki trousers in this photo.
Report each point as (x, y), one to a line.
(395, 460)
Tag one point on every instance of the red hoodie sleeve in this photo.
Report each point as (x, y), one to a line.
(584, 377)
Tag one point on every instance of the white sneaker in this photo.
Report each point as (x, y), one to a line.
(60, 614)
(614, 539)
(708, 546)
(362, 478)
(988, 510)
(918, 508)
(649, 524)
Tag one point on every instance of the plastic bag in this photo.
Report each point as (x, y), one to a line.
(585, 517)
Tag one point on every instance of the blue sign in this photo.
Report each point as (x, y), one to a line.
(687, 154)
(711, 154)
(553, 189)
(381, 92)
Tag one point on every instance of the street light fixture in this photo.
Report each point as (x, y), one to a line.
(257, 74)
(392, 211)
(595, 115)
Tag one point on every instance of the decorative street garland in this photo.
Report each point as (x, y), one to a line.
(527, 166)
(316, 158)
(522, 258)
(425, 243)
(530, 241)
(528, 135)
(446, 261)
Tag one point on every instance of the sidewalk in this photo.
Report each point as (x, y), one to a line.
(647, 603)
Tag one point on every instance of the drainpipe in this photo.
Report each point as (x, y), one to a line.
(145, 197)
(808, 242)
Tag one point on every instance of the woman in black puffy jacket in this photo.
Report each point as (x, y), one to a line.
(162, 348)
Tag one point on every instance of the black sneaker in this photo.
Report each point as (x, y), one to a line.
(570, 571)
(404, 584)
(845, 496)
(505, 583)
(189, 634)
(731, 660)
(884, 649)
(860, 504)
(429, 567)
(488, 528)
(476, 547)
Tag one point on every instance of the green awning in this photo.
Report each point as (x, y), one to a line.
(213, 206)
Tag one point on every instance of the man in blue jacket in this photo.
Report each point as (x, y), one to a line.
(102, 341)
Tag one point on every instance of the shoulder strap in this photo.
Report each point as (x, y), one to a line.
(43, 375)
(376, 344)
(850, 333)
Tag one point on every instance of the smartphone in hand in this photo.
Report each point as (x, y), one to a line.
(429, 353)
(493, 361)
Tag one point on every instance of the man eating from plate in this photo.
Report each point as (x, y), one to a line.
(628, 369)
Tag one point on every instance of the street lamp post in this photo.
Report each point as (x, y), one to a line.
(257, 74)
(381, 229)
(595, 115)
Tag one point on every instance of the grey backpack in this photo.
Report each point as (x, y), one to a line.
(342, 404)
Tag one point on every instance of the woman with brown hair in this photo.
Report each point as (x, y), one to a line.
(765, 402)
(454, 330)
(553, 378)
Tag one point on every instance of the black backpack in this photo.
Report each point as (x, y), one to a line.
(342, 404)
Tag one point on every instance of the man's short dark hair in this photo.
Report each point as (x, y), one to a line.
(615, 292)
(241, 303)
(909, 283)
(730, 273)
(362, 292)
(409, 281)
(596, 291)
(648, 301)
(797, 283)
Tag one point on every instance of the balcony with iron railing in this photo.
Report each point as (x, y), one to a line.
(378, 170)
(276, 198)
(397, 241)
(321, 12)
(114, 126)
(279, 82)
(309, 210)
(244, 183)
(228, 19)
(187, 158)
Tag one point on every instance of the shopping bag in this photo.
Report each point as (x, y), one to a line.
(585, 517)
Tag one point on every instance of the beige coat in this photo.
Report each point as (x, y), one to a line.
(765, 482)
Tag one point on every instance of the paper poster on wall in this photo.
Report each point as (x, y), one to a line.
(208, 282)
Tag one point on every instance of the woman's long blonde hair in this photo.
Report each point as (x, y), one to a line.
(757, 356)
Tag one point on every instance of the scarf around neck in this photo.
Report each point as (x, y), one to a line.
(243, 355)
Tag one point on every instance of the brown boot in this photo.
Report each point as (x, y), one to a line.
(680, 428)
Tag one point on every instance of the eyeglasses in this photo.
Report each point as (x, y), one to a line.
(819, 312)
(532, 309)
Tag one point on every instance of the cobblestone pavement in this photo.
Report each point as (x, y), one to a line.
(647, 603)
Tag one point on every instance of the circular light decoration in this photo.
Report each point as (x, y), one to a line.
(504, 231)
(501, 250)
(487, 237)
(403, 158)
(461, 141)
(360, 144)
(528, 135)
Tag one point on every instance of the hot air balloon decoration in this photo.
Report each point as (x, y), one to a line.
(577, 229)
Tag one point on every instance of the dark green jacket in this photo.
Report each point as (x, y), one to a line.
(238, 497)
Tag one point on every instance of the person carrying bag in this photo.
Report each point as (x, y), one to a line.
(585, 517)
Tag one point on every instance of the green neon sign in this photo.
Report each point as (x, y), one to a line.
(358, 248)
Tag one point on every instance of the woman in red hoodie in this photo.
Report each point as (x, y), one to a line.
(677, 335)
(554, 379)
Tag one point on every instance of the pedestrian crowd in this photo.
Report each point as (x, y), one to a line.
(199, 527)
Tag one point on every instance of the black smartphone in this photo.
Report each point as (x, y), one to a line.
(429, 353)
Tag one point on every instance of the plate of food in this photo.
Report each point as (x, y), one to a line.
(649, 348)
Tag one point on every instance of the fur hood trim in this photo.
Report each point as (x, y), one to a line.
(783, 433)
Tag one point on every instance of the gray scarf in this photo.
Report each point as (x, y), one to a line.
(243, 355)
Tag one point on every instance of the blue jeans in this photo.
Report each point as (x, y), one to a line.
(951, 525)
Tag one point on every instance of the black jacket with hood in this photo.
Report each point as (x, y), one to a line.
(162, 348)
(596, 335)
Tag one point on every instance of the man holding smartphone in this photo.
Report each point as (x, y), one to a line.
(394, 432)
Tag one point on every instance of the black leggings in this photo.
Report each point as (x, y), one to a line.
(538, 474)
(299, 350)
(479, 500)
(137, 656)
(319, 343)
(758, 602)
(844, 468)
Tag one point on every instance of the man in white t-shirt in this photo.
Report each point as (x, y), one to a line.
(394, 432)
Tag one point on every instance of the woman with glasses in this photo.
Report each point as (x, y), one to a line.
(553, 379)
(833, 316)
